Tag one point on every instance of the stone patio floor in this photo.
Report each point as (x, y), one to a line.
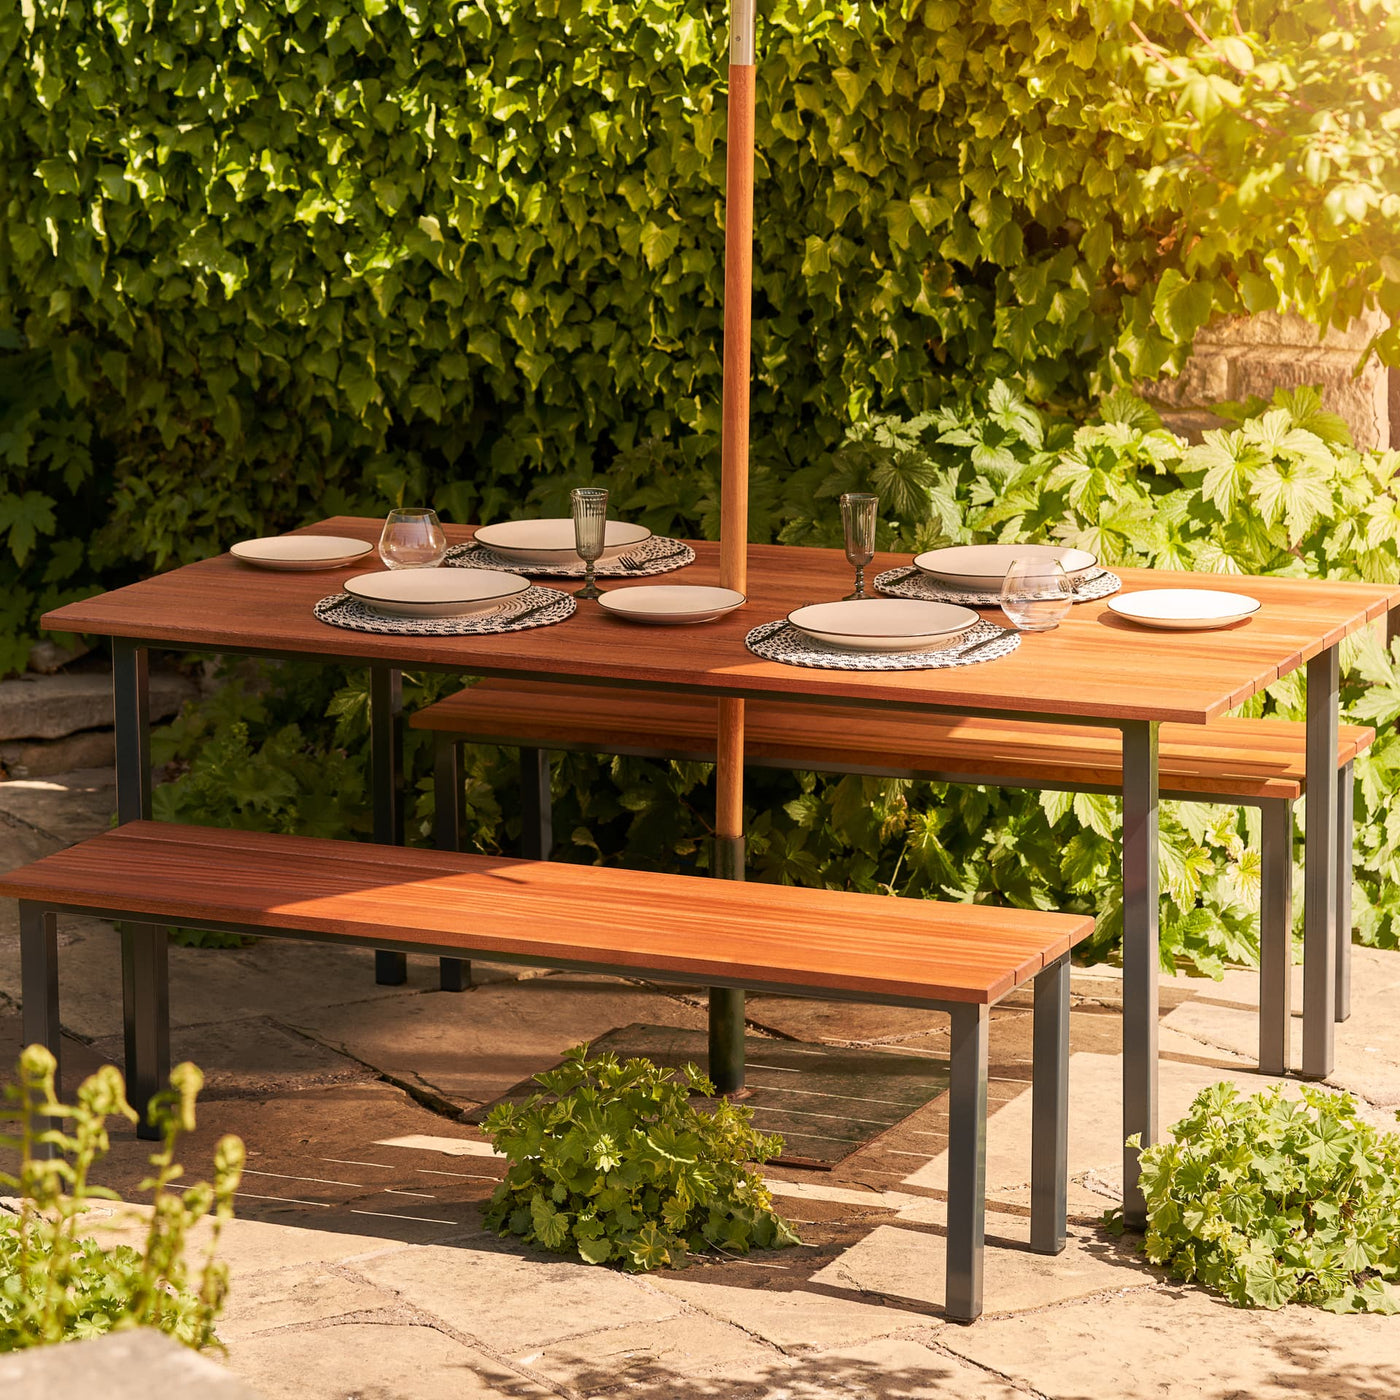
(360, 1268)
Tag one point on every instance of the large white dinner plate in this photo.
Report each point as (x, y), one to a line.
(552, 541)
(670, 603)
(435, 592)
(1184, 609)
(301, 552)
(984, 566)
(884, 624)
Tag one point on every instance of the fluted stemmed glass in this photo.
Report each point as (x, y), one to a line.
(858, 510)
(590, 510)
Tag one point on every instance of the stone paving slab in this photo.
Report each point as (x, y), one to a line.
(1181, 1344)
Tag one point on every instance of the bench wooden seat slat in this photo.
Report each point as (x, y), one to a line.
(1240, 758)
(718, 932)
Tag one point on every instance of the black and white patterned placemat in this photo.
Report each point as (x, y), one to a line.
(931, 590)
(656, 555)
(536, 607)
(781, 641)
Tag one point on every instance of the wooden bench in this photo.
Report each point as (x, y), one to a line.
(957, 958)
(1247, 762)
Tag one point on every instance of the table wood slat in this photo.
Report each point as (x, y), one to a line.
(1094, 665)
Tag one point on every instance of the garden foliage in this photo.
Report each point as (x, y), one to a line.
(59, 1285)
(262, 260)
(614, 1164)
(1271, 1201)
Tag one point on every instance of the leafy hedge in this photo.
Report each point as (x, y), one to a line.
(262, 260)
(1283, 492)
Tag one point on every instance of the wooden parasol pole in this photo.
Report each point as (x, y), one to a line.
(727, 1006)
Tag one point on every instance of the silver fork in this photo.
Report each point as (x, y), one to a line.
(637, 561)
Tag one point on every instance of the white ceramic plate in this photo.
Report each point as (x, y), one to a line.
(435, 592)
(301, 552)
(884, 624)
(983, 566)
(670, 603)
(1184, 609)
(552, 541)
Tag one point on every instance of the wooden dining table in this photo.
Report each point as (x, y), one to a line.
(1094, 668)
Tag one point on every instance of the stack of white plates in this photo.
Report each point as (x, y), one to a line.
(981, 568)
(670, 604)
(435, 592)
(552, 541)
(301, 552)
(885, 624)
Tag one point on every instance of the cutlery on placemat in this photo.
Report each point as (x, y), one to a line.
(530, 612)
(902, 578)
(635, 561)
(977, 646)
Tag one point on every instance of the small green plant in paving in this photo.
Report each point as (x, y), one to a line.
(615, 1164)
(1271, 1201)
(57, 1285)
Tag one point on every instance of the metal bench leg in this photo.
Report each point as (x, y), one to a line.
(967, 1162)
(454, 974)
(38, 944)
(1345, 818)
(386, 786)
(726, 1059)
(145, 1016)
(1320, 869)
(1050, 1109)
(1275, 936)
(536, 805)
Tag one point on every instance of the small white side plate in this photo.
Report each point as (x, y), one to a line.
(435, 592)
(552, 541)
(672, 604)
(1184, 609)
(983, 566)
(884, 624)
(301, 552)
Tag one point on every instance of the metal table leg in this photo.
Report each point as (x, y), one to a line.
(386, 786)
(536, 805)
(1276, 936)
(1141, 963)
(1345, 857)
(1320, 865)
(967, 1161)
(38, 943)
(145, 947)
(454, 974)
(1050, 1109)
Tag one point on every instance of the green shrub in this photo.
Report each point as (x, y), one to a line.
(263, 261)
(57, 1285)
(615, 1165)
(1270, 1201)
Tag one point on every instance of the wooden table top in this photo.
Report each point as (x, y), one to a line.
(1093, 665)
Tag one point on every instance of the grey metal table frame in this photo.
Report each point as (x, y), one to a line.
(144, 946)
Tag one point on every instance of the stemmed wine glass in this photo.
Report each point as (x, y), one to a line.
(858, 516)
(412, 539)
(590, 510)
(1036, 594)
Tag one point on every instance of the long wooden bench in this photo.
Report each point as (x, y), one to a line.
(957, 958)
(1249, 762)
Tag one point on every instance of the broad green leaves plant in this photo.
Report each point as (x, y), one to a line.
(58, 1285)
(1270, 1201)
(615, 1165)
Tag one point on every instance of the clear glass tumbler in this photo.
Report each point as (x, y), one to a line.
(590, 510)
(858, 510)
(1036, 594)
(412, 539)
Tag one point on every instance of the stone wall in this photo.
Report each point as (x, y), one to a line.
(1258, 354)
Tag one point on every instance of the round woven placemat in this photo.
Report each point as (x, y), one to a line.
(781, 641)
(657, 555)
(536, 607)
(931, 590)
